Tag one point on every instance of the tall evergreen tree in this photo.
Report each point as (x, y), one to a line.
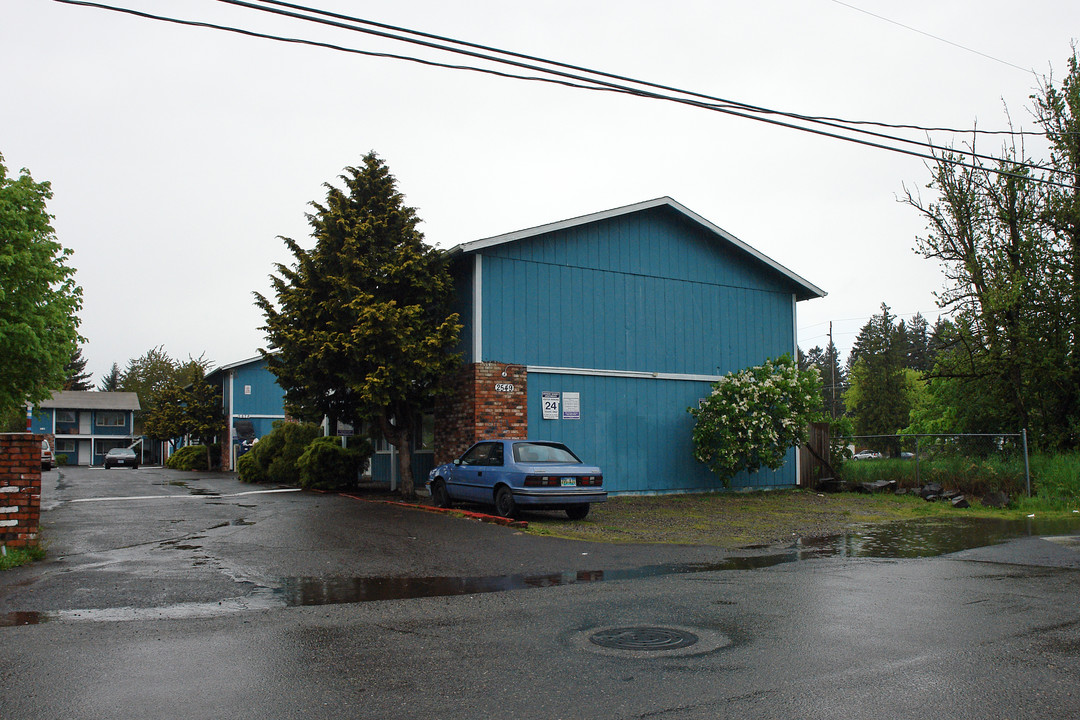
(111, 381)
(879, 395)
(918, 353)
(827, 362)
(77, 377)
(361, 329)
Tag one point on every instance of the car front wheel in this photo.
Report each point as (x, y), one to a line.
(439, 495)
(504, 502)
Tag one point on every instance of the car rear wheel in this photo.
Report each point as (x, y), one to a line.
(439, 495)
(577, 512)
(504, 502)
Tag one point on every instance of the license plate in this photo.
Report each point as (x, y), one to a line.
(569, 482)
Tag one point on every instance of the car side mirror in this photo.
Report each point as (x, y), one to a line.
(457, 461)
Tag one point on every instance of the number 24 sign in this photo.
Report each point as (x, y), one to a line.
(551, 405)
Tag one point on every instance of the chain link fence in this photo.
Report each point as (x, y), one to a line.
(975, 463)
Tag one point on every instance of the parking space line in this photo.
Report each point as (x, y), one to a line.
(186, 497)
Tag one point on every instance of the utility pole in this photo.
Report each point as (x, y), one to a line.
(832, 371)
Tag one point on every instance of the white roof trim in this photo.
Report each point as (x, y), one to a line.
(476, 245)
(230, 366)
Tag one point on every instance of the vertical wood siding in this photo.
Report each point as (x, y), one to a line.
(266, 396)
(644, 292)
(649, 291)
(638, 432)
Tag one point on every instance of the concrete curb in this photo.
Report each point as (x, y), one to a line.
(482, 517)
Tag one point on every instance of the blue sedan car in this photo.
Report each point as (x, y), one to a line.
(513, 474)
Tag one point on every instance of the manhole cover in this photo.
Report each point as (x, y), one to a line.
(643, 638)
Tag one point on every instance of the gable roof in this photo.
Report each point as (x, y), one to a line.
(807, 290)
(234, 365)
(92, 400)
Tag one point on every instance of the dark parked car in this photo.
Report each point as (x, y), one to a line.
(519, 473)
(121, 457)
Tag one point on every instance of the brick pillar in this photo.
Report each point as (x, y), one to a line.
(20, 488)
(489, 400)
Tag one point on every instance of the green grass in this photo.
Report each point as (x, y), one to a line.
(1055, 478)
(14, 557)
(733, 520)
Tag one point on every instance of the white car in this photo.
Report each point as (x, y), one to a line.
(866, 455)
(47, 460)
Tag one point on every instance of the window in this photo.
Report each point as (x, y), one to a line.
(65, 446)
(66, 417)
(103, 446)
(110, 418)
(425, 439)
(484, 454)
(527, 452)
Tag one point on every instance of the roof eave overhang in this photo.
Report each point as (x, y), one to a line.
(806, 290)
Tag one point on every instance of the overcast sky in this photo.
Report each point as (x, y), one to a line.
(177, 154)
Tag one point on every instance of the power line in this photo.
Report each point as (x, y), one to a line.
(934, 37)
(721, 104)
(621, 78)
(946, 155)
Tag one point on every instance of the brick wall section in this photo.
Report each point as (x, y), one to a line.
(20, 488)
(481, 407)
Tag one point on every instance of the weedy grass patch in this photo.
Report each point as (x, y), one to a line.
(14, 557)
(733, 520)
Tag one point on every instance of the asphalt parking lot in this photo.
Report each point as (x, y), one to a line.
(169, 594)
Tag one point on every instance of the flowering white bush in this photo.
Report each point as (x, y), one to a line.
(755, 415)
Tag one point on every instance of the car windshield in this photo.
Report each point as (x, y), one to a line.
(543, 453)
(121, 451)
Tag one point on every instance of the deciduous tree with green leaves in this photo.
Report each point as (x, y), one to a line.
(186, 410)
(1007, 235)
(361, 329)
(154, 372)
(39, 300)
(754, 416)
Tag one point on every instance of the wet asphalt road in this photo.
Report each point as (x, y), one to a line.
(171, 595)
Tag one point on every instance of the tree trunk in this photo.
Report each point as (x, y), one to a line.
(399, 434)
(404, 454)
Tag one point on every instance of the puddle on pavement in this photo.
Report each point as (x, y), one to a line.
(913, 539)
(930, 538)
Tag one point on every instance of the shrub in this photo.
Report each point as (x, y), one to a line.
(274, 456)
(249, 470)
(326, 465)
(61, 459)
(754, 416)
(192, 457)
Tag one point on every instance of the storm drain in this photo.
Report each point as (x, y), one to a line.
(643, 638)
(649, 641)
